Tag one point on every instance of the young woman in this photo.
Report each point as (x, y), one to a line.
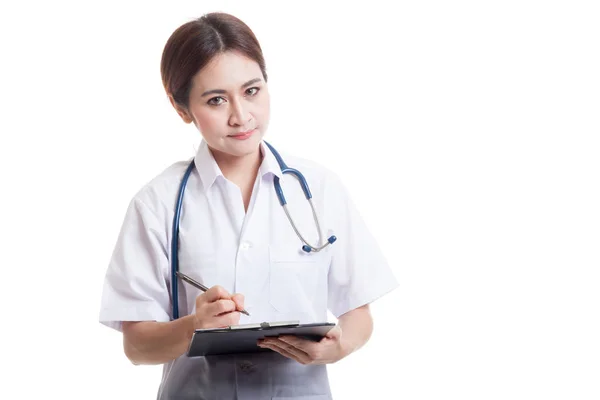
(235, 237)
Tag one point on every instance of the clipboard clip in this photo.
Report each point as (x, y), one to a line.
(266, 325)
(284, 324)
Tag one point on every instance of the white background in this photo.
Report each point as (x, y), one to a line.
(466, 131)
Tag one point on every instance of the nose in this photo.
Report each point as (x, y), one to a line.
(240, 115)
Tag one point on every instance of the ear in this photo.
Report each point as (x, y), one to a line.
(183, 113)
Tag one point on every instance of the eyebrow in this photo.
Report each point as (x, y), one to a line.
(221, 91)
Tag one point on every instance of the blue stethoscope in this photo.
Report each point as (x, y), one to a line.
(284, 170)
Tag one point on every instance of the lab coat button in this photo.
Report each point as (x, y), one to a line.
(246, 366)
(246, 245)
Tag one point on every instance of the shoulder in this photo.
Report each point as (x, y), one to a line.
(160, 192)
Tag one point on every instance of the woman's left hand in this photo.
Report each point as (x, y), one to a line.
(328, 351)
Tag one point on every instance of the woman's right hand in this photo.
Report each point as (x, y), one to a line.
(216, 308)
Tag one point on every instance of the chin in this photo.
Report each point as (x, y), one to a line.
(241, 148)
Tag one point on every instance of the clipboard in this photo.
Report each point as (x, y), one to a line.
(239, 339)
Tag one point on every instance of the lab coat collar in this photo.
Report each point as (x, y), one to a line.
(209, 170)
(207, 167)
(269, 162)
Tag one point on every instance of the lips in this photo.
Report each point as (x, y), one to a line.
(243, 135)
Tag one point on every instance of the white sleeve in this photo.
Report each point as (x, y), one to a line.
(136, 285)
(359, 273)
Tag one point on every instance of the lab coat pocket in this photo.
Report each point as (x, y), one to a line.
(294, 278)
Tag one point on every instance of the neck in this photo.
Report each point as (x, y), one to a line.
(239, 169)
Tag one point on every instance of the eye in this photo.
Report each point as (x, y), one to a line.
(252, 91)
(215, 101)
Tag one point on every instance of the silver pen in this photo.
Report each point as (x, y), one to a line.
(198, 285)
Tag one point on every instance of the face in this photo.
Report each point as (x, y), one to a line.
(229, 103)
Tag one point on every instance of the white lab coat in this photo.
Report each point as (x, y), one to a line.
(257, 254)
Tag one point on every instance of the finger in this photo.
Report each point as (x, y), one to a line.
(216, 293)
(294, 353)
(297, 354)
(225, 320)
(334, 333)
(307, 346)
(281, 351)
(238, 299)
(220, 307)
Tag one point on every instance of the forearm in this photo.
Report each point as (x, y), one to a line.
(356, 326)
(151, 342)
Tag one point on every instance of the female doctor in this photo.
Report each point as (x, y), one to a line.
(236, 238)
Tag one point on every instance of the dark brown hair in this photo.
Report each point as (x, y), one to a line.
(195, 43)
